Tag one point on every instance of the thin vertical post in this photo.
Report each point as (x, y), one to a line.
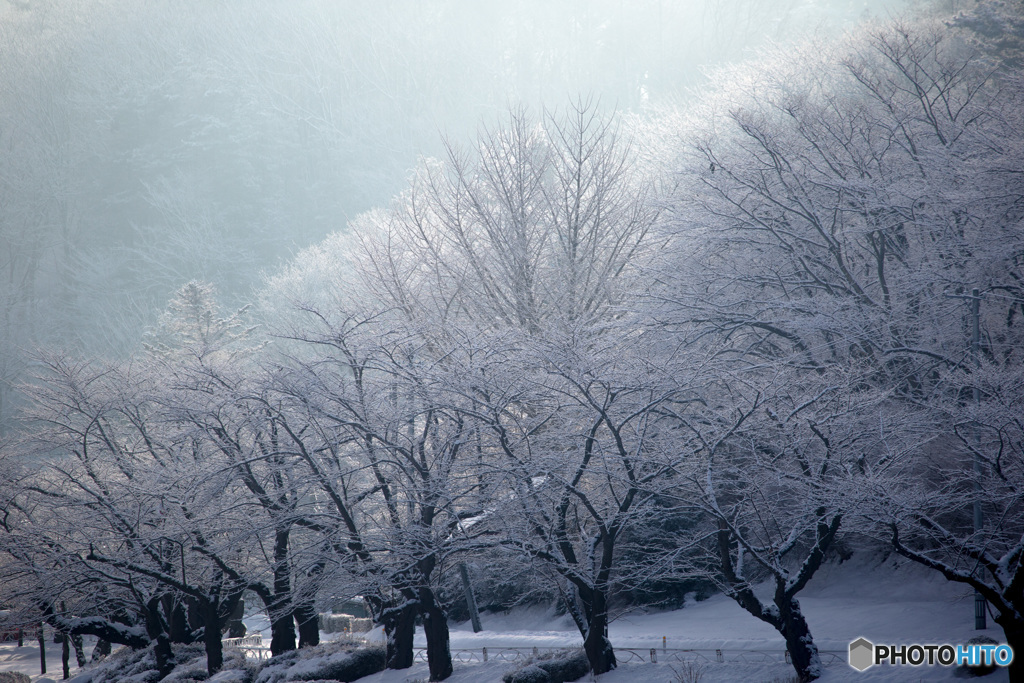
(467, 587)
(42, 650)
(979, 519)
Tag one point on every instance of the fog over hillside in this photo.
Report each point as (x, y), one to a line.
(148, 144)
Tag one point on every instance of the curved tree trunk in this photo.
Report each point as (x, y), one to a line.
(79, 647)
(116, 630)
(802, 650)
(435, 627)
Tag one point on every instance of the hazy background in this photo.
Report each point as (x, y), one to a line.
(144, 144)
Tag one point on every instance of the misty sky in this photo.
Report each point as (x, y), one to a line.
(149, 144)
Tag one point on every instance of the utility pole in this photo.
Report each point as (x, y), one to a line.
(980, 606)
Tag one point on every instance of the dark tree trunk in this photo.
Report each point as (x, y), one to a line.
(195, 617)
(282, 631)
(65, 655)
(435, 627)
(599, 649)
(1014, 632)
(594, 601)
(787, 619)
(76, 642)
(179, 629)
(164, 655)
(802, 650)
(399, 628)
(309, 625)
(157, 633)
(282, 634)
(101, 650)
(65, 646)
(305, 611)
(42, 650)
(236, 627)
(211, 638)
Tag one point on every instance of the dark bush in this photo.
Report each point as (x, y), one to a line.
(288, 657)
(966, 671)
(14, 677)
(357, 664)
(552, 668)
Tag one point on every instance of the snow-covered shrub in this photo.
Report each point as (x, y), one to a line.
(190, 668)
(325, 662)
(529, 674)
(966, 671)
(125, 665)
(231, 676)
(559, 667)
(351, 667)
(275, 669)
(139, 666)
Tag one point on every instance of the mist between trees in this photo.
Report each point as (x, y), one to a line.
(597, 360)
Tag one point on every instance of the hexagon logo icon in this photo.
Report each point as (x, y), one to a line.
(862, 654)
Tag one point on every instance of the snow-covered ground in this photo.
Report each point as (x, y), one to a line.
(885, 603)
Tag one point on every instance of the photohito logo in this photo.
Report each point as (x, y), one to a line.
(864, 654)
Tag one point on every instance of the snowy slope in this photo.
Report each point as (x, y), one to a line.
(885, 603)
(891, 602)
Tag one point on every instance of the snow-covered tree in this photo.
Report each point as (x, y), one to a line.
(930, 513)
(582, 431)
(539, 234)
(829, 202)
(122, 503)
(131, 483)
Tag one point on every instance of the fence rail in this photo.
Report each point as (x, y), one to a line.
(252, 646)
(637, 654)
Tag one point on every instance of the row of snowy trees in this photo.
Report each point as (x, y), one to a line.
(744, 317)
